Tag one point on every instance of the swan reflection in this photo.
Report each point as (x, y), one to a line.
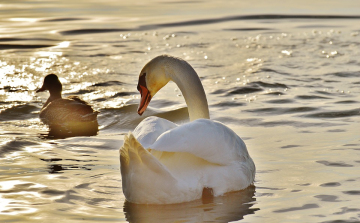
(230, 207)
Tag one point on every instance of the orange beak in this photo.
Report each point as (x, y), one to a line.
(145, 99)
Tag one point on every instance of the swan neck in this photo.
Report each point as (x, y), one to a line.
(191, 88)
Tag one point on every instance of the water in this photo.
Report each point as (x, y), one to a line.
(284, 76)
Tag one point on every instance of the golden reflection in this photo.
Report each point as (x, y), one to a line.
(4, 204)
(77, 87)
(6, 69)
(23, 19)
(231, 207)
(287, 52)
(18, 96)
(116, 103)
(64, 44)
(15, 83)
(72, 129)
(49, 54)
(11, 191)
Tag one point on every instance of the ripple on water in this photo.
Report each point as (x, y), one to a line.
(335, 114)
(14, 145)
(345, 210)
(91, 31)
(352, 192)
(19, 112)
(24, 46)
(290, 146)
(304, 207)
(328, 198)
(227, 104)
(275, 93)
(108, 83)
(310, 97)
(330, 184)
(334, 164)
(344, 74)
(58, 165)
(243, 90)
(281, 110)
(280, 101)
(63, 19)
(253, 87)
(268, 70)
(347, 102)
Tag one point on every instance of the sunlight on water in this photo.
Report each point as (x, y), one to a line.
(23, 20)
(9, 204)
(64, 44)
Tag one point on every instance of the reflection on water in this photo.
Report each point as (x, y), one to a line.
(230, 207)
(72, 129)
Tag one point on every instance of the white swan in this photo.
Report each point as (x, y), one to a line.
(163, 163)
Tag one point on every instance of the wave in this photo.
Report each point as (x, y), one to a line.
(280, 110)
(13, 39)
(246, 17)
(23, 46)
(14, 145)
(63, 19)
(91, 31)
(345, 74)
(19, 112)
(199, 22)
(335, 114)
(252, 87)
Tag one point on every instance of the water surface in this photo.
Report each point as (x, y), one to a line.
(283, 76)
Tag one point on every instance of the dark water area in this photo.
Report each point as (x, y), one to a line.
(284, 76)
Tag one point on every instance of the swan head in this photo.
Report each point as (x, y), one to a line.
(152, 78)
(52, 84)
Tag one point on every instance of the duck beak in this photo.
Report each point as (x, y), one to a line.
(145, 99)
(41, 89)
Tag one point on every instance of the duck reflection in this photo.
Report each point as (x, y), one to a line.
(57, 131)
(230, 207)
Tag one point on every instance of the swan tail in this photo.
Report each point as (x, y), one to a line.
(134, 155)
(144, 178)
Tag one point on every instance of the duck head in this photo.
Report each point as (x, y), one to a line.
(152, 78)
(52, 84)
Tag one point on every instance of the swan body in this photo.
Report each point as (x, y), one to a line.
(58, 110)
(163, 163)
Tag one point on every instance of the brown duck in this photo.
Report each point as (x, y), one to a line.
(58, 110)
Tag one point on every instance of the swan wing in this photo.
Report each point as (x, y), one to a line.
(150, 129)
(206, 139)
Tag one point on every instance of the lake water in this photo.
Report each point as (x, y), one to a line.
(285, 76)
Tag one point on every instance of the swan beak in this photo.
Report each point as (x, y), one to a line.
(145, 99)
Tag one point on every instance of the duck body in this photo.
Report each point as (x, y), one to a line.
(67, 110)
(60, 111)
(164, 163)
